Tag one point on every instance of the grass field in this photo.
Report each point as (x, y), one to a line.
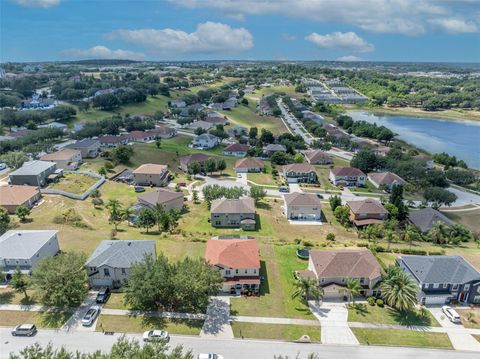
(138, 324)
(467, 218)
(74, 183)
(373, 314)
(408, 338)
(474, 322)
(288, 332)
(10, 318)
(10, 296)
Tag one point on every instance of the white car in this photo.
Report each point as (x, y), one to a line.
(90, 316)
(3, 166)
(451, 314)
(155, 335)
(210, 356)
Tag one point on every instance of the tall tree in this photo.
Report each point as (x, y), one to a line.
(399, 290)
(146, 218)
(257, 193)
(22, 212)
(4, 220)
(116, 212)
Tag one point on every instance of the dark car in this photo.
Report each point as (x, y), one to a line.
(26, 330)
(103, 295)
(139, 189)
(284, 189)
(319, 196)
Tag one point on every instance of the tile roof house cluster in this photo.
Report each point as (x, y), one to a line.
(204, 125)
(424, 218)
(236, 149)
(151, 174)
(249, 164)
(443, 278)
(12, 196)
(347, 177)
(238, 262)
(233, 213)
(141, 136)
(187, 161)
(332, 268)
(109, 264)
(33, 173)
(385, 180)
(25, 249)
(89, 147)
(367, 211)
(299, 173)
(302, 206)
(205, 141)
(66, 159)
(318, 157)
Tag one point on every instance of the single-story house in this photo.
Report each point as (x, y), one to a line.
(216, 120)
(233, 213)
(141, 136)
(367, 211)
(299, 173)
(26, 248)
(165, 197)
(386, 180)
(317, 157)
(187, 161)
(442, 279)
(33, 173)
(113, 141)
(249, 164)
(270, 149)
(424, 218)
(178, 103)
(238, 262)
(205, 141)
(332, 269)
(54, 124)
(109, 264)
(302, 206)
(151, 174)
(236, 149)
(89, 147)
(66, 159)
(12, 196)
(347, 177)
(163, 132)
(204, 125)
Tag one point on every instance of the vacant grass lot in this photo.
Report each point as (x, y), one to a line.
(408, 338)
(137, 324)
(467, 218)
(10, 318)
(10, 296)
(288, 332)
(474, 322)
(373, 314)
(74, 183)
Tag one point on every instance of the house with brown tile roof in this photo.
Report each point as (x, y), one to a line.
(249, 164)
(163, 132)
(300, 206)
(367, 211)
(332, 268)
(318, 157)
(65, 159)
(187, 161)
(236, 149)
(141, 136)
(165, 197)
(233, 213)
(12, 196)
(347, 177)
(151, 174)
(113, 141)
(216, 120)
(386, 180)
(238, 262)
(299, 173)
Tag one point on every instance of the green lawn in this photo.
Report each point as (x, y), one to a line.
(10, 296)
(263, 179)
(474, 321)
(366, 313)
(74, 183)
(467, 218)
(408, 338)
(10, 318)
(138, 324)
(288, 332)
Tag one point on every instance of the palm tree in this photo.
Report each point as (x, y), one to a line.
(117, 213)
(352, 289)
(399, 290)
(411, 234)
(308, 288)
(390, 235)
(438, 232)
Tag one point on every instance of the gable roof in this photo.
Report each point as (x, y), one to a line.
(16, 195)
(386, 178)
(33, 168)
(150, 168)
(368, 205)
(85, 143)
(241, 205)
(23, 244)
(236, 147)
(275, 147)
(139, 135)
(113, 139)
(161, 195)
(302, 199)
(440, 269)
(345, 263)
(249, 162)
(120, 253)
(194, 157)
(347, 171)
(299, 168)
(233, 253)
(317, 155)
(62, 155)
(425, 217)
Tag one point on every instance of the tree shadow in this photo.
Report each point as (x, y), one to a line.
(258, 222)
(360, 309)
(152, 321)
(6, 297)
(264, 205)
(264, 284)
(54, 318)
(27, 301)
(408, 317)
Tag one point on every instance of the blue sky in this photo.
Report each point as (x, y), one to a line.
(377, 30)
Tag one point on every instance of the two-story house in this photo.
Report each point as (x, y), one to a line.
(151, 174)
(299, 173)
(332, 268)
(89, 147)
(205, 141)
(109, 264)
(238, 262)
(318, 157)
(33, 173)
(233, 213)
(300, 206)
(442, 279)
(187, 161)
(66, 159)
(347, 177)
(367, 211)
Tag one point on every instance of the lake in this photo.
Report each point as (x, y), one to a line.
(435, 135)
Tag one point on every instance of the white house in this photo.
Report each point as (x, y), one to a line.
(205, 141)
(302, 206)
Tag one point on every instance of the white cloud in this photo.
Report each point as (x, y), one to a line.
(349, 58)
(408, 17)
(37, 3)
(102, 52)
(209, 37)
(288, 37)
(456, 26)
(348, 41)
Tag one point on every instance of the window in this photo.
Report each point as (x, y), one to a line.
(435, 285)
(227, 272)
(236, 271)
(362, 280)
(124, 271)
(246, 271)
(106, 272)
(466, 287)
(254, 271)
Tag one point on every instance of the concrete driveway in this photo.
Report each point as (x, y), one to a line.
(242, 179)
(217, 324)
(295, 187)
(333, 317)
(74, 323)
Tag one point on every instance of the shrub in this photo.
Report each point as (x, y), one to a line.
(379, 302)
(331, 237)
(70, 217)
(371, 301)
(308, 243)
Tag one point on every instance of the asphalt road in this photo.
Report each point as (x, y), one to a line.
(230, 348)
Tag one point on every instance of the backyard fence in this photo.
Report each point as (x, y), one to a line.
(82, 196)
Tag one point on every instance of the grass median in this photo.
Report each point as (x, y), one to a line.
(11, 318)
(288, 332)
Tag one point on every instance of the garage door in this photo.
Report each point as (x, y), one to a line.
(435, 300)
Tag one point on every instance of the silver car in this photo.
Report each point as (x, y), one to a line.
(90, 316)
(451, 314)
(25, 330)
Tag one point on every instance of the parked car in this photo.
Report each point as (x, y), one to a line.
(139, 189)
(26, 330)
(2, 166)
(451, 314)
(90, 316)
(210, 356)
(283, 189)
(239, 176)
(319, 196)
(155, 335)
(181, 184)
(103, 295)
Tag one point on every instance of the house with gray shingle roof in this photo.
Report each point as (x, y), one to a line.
(109, 264)
(424, 218)
(33, 173)
(442, 279)
(233, 213)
